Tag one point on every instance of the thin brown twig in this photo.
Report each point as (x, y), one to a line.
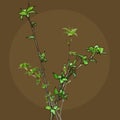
(41, 64)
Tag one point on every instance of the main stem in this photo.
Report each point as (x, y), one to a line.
(38, 53)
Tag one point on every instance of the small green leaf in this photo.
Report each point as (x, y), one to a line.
(64, 69)
(72, 64)
(29, 73)
(44, 86)
(21, 17)
(43, 57)
(74, 74)
(53, 111)
(31, 37)
(56, 108)
(37, 81)
(56, 91)
(37, 75)
(73, 31)
(33, 70)
(91, 49)
(32, 12)
(85, 62)
(56, 76)
(23, 13)
(62, 92)
(48, 107)
(28, 15)
(101, 50)
(30, 8)
(24, 65)
(84, 59)
(70, 32)
(33, 24)
(65, 96)
(96, 49)
(62, 80)
(52, 97)
(72, 53)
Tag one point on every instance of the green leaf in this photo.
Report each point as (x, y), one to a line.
(23, 13)
(33, 24)
(64, 69)
(29, 73)
(24, 65)
(56, 91)
(96, 49)
(62, 92)
(37, 75)
(72, 64)
(73, 32)
(72, 53)
(30, 8)
(56, 76)
(101, 50)
(85, 61)
(56, 108)
(21, 17)
(26, 12)
(65, 96)
(32, 12)
(53, 111)
(43, 57)
(74, 74)
(91, 49)
(70, 32)
(48, 107)
(80, 56)
(52, 97)
(37, 81)
(28, 15)
(33, 70)
(31, 37)
(62, 80)
(44, 86)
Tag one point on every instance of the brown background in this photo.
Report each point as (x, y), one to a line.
(105, 105)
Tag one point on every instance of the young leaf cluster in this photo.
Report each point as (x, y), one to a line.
(62, 78)
(31, 71)
(52, 109)
(42, 57)
(85, 59)
(26, 12)
(96, 49)
(60, 93)
(70, 32)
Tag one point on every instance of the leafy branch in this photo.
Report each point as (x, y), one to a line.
(56, 98)
(25, 13)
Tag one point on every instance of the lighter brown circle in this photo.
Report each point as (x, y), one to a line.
(90, 79)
